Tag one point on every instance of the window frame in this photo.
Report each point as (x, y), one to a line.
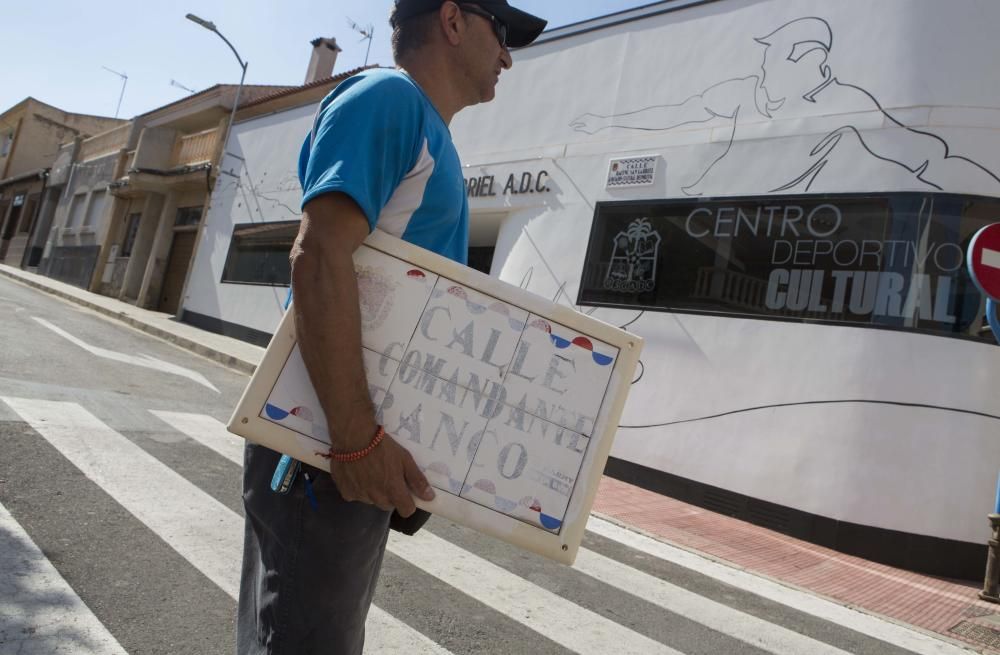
(233, 246)
(82, 198)
(131, 235)
(89, 219)
(892, 200)
(188, 211)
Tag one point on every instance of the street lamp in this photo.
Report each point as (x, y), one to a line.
(210, 26)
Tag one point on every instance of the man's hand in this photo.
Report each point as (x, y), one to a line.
(590, 123)
(384, 478)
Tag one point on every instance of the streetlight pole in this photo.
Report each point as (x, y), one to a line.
(210, 26)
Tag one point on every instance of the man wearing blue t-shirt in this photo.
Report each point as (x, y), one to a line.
(379, 156)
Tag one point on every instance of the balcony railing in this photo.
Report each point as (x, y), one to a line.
(105, 143)
(196, 148)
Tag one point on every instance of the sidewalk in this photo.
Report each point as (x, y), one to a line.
(950, 609)
(947, 608)
(227, 351)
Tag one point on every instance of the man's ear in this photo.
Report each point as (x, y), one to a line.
(452, 23)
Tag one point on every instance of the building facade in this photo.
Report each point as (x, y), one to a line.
(72, 236)
(31, 135)
(241, 268)
(156, 180)
(778, 198)
(134, 197)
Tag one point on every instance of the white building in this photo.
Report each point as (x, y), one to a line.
(777, 196)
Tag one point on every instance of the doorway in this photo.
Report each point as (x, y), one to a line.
(484, 228)
(177, 266)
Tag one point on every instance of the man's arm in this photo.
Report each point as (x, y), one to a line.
(328, 328)
(720, 100)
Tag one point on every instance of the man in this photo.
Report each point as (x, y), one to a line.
(795, 82)
(379, 156)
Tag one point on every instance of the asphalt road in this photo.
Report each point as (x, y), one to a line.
(121, 519)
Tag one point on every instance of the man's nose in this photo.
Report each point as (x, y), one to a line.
(505, 59)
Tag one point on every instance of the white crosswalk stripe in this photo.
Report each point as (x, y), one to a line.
(39, 611)
(721, 618)
(560, 620)
(205, 532)
(866, 624)
(463, 573)
(209, 536)
(206, 430)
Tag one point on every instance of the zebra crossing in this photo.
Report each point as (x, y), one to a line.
(30, 626)
(626, 594)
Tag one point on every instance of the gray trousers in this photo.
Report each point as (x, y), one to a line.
(308, 575)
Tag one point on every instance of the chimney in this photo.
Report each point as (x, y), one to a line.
(324, 56)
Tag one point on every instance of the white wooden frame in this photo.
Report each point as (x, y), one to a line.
(562, 546)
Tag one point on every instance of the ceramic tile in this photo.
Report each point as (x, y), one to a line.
(465, 335)
(294, 404)
(392, 295)
(559, 375)
(438, 422)
(526, 468)
(380, 370)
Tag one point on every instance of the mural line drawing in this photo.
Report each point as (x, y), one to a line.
(796, 80)
(804, 403)
(634, 259)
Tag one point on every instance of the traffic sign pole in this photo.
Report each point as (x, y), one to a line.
(994, 321)
(984, 268)
(984, 260)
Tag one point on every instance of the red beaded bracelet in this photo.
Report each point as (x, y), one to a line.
(357, 454)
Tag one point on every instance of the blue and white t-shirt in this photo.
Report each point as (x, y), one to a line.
(378, 139)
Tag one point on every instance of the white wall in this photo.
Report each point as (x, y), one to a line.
(905, 55)
(925, 63)
(928, 65)
(261, 187)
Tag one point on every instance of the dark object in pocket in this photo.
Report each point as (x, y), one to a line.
(410, 524)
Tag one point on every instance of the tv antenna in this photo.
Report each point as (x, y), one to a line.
(367, 34)
(124, 82)
(181, 86)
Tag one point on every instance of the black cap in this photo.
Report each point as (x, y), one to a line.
(522, 27)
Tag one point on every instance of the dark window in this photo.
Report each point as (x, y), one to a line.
(481, 258)
(188, 216)
(28, 214)
(16, 212)
(258, 253)
(893, 260)
(131, 230)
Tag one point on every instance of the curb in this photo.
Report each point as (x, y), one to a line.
(230, 361)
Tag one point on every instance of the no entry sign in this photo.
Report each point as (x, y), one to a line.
(984, 260)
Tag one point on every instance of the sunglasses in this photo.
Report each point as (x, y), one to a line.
(499, 27)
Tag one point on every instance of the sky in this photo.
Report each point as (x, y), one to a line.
(56, 50)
